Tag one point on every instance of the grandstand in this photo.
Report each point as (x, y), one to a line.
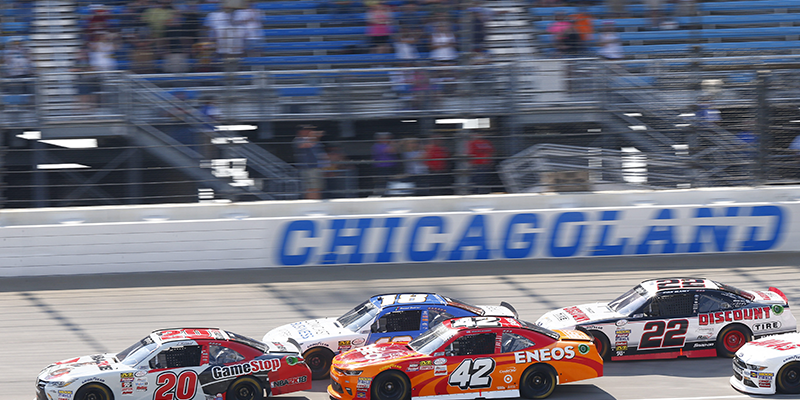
(314, 61)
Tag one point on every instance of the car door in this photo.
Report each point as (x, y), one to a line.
(173, 373)
(662, 324)
(468, 362)
(396, 325)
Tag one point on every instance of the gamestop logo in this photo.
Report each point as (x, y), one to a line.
(244, 369)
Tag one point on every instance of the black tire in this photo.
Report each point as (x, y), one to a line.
(537, 382)
(319, 359)
(602, 344)
(788, 379)
(94, 391)
(731, 339)
(245, 388)
(391, 385)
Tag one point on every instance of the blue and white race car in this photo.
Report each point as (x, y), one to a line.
(394, 317)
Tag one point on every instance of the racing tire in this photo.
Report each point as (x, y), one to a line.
(390, 385)
(788, 379)
(245, 388)
(731, 339)
(537, 382)
(602, 344)
(94, 391)
(319, 359)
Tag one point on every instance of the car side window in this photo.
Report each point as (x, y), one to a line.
(671, 305)
(512, 342)
(177, 357)
(399, 321)
(436, 316)
(710, 303)
(477, 344)
(220, 355)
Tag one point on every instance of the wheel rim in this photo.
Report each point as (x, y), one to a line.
(539, 383)
(599, 345)
(733, 340)
(315, 362)
(390, 389)
(793, 377)
(245, 392)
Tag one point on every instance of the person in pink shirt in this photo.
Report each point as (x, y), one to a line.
(380, 26)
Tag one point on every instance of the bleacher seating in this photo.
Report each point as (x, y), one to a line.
(704, 8)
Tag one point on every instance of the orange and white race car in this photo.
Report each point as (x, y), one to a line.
(470, 357)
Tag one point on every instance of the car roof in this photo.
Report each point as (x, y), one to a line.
(395, 299)
(177, 334)
(498, 323)
(652, 284)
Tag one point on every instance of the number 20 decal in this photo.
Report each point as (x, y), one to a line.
(473, 374)
(659, 334)
(171, 387)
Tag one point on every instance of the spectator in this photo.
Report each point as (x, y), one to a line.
(210, 110)
(101, 53)
(156, 17)
(310, 159)
(481, 153)
(655, 12)
(86, 82)
(437, 160)
(443, 44)
(203, 54)
(17, 66)
(176, 57)
(98, 22)
(609, 41)
(583, 23)
(411, 18)
(414, 165)
(379, 27)
(384, 156)
(406, 48)
(422, 89)
(338, 173)
(143, 58)
(249, 19)
(227, 36)
(559, 29)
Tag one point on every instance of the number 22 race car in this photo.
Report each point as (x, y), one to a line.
(467, 358)
(180, 364)
(668, 318)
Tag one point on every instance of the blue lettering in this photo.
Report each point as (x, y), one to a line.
(603, 248)
(718, 233)
(385, 255)
(569, 250)
(751, 244)
(302, 257)
(474, 236)
(338, 240)
(659, 234)
(528, 239)
(424, 255)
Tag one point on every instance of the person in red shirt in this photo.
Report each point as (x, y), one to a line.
(481, 153)
(437, 158)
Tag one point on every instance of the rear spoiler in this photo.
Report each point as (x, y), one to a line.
(780, 293)
(508, 306)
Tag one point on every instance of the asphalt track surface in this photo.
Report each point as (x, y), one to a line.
(46, 319)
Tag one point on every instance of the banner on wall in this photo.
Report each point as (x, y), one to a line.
(492, 235)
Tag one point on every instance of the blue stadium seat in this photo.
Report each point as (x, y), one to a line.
(299, 91)
(313, 18)
(17, 99)
(298, 46)
(332, 59)
(288, 5)
(348, 30)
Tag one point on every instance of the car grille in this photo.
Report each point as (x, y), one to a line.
(336, 386)
(40, 395)
(748, 382)
(737, 375)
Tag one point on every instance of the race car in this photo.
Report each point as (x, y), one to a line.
(185, 363)
(768, 365)
(465, 358)
(668, 318)
(382, 318)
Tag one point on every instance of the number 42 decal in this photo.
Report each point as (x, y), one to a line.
(473, 374)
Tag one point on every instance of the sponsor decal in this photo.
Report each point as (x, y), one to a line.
(583, 349)
(140, 373)
(556, 353)
(440, 370)
(289, 381)
(291, 360)
(621, 346)
(763, 295)
(363, 383)
(413, 367)
(777, 344)
(92, 379)
(507, 370)
(140, 385)
(704, 336)
(126, 382)
(101, 362)
(345, 343)
(440, 361)
(765, 375)
(500, 388)
(767, 326)
(696, 345)
(64, 394)
(361, 395)
(764, 383)
(621, 322)
(720, 317)
(508, 378)
(777, 309)
(795, 357)
(358, 341)
(576, 314)
(438, 354)
(425, 365)
(279, 345)
(318, 344)
(220, 372)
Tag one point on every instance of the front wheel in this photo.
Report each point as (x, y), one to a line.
(602, 344)
(245, 388)
(319, 359)
(731, 339)
(391, 385)
(94, 391)
(537, 382)
(789, 378)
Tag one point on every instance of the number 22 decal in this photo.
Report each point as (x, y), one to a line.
(473, 374)
(659, 334)
(171, 387)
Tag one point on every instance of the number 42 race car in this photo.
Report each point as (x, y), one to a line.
(668, 318)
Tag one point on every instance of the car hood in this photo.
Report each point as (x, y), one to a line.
(376, 353)
(305, 332)
(775, 347)
(77, 367)
(568, 317)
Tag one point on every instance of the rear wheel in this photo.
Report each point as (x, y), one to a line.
(789, 378)
(537, 382)
(245, 388)
(319, 359)
(731, 339)
(391, 385)
(94, 391)
(602, 344)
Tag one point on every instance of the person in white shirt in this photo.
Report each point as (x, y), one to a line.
(249, 20)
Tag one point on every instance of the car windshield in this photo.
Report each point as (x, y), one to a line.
(433, 339)
(138, 352)
(630, 301)
(359, 316)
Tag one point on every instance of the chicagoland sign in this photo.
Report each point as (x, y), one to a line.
(533, 234)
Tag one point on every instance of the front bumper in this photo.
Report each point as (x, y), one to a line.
(753, 382)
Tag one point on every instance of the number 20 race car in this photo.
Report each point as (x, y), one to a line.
(768, 365)
(382, 318)
(467, 358)
(180, 364)
(668, 318)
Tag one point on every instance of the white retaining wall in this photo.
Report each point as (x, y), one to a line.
(402, 230)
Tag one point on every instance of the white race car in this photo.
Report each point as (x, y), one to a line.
(768, 365)
(397, 317)
(669, 318)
